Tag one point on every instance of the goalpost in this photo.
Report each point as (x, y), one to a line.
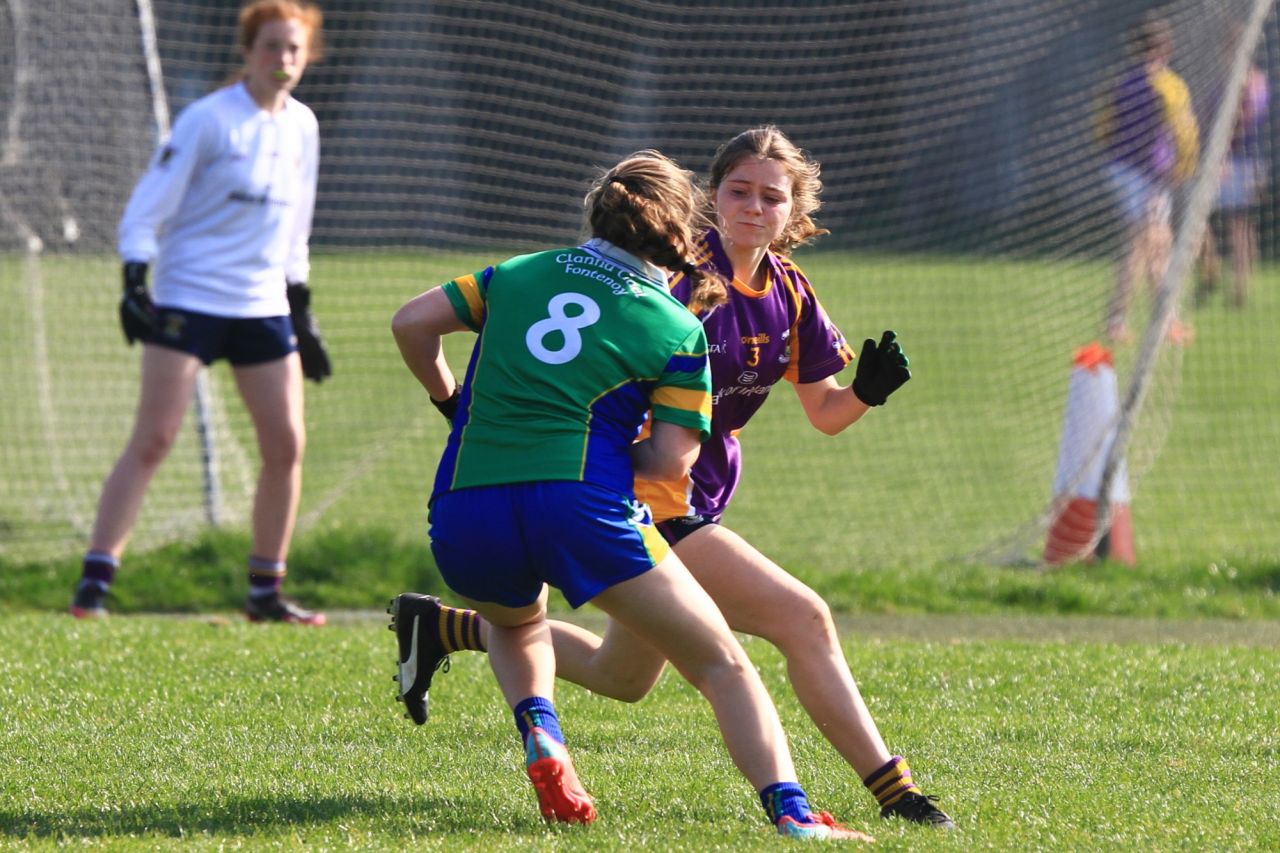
(964, 189)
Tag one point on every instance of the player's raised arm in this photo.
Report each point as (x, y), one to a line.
(882, 368)
(417, 328)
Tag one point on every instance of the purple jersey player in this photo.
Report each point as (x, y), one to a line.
(771, 329)
(1152, 143)
(572, 390)
(768, 332)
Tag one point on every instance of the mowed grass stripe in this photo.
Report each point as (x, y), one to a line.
(150, 733)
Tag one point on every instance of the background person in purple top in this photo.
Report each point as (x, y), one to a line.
(1244, 175)
(772, 328)
(1152, 144)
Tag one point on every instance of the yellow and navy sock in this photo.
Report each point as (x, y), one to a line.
(891, 782)
(265, 576)
(460, 630)
(537, 713)
(98, 569)
(785, 799)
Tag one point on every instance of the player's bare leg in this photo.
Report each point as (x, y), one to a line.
(753, 592)
(1157, 249)
(1128, 272)
(1243, 251)
(272, 392)
(1209, 267)
(168, 381)
(750, 590)
(671, 612)
(620, 665)
(522, 658)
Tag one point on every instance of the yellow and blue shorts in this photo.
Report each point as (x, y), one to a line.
(502, 543)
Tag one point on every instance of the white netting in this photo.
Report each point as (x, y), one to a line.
(964, 192)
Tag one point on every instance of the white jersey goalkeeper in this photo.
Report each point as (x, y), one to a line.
(223, 217)
(223, 213)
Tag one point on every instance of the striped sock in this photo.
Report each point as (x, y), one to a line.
(539, 713)
(99, 569)
(891, 782)
(460, 630)
(265, 576)
(785, 799)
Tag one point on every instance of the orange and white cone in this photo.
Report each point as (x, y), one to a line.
(1088, 430)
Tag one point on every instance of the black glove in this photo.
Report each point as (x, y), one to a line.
(448, 407)
(315, 358)
(137, 312)
(881, 370)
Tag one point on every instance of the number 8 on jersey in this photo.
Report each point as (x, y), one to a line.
(567, 326)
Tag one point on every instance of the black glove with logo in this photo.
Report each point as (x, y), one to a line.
(448, 407)
(311, 349)
(882, 370)
(137, 312)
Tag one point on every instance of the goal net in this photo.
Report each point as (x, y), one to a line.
(966, 191)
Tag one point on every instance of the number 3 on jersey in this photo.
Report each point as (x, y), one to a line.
(568, 327)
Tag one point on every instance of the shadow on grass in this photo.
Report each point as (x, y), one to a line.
(232, 817)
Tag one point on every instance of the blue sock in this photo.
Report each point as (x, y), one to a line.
(536, 712)
(785, 799)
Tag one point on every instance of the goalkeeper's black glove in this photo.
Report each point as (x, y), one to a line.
(311, 349)
(137, 312)
(448, 407)
(882, 370)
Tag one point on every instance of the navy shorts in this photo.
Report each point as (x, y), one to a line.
(502, 543)
(675, 529)
(240, 340)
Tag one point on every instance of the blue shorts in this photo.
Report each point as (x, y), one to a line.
(240, 340)
(502, 543)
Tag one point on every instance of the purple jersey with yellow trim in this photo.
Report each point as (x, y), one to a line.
(753, 341)
(1149, 125)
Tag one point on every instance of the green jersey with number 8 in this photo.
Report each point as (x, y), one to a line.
(575, 346)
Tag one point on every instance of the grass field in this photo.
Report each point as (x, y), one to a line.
(1092, 707)
(1039, 734)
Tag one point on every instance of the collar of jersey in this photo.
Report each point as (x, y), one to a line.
(246, 98)
(605, 249)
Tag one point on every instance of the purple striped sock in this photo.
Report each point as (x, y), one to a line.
(265, 576)
(99, 569)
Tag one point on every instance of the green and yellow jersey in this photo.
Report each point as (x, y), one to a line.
(575, 347)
